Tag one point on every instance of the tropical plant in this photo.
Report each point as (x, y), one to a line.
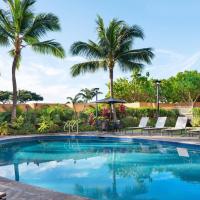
(4, 129)
(19, 122)
(5, 116)
(5, 96)
(114, 46)
(87, 94)
(58, 114)
(74, 100)
(46, 124)
(20, 27)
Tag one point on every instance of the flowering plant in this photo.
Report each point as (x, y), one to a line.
(122, 108)
(105, 112)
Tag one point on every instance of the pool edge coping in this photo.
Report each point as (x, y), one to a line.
(169, 140)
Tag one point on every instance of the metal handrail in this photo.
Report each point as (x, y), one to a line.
(71, 125)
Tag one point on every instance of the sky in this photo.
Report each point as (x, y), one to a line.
(171, 28)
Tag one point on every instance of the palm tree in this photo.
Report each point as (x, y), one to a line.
(20, 27)
(88, 94)
(114, 46)
(95, 91)
(74, 100)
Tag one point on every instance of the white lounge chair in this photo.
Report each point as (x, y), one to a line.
(181, 124)
(142, 124)
(160, 125)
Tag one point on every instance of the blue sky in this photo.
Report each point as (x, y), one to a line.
(171, 27)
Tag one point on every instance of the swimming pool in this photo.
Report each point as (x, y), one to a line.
(105, 168)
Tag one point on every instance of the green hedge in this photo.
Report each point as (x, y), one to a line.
(133, 116)
(52, 119)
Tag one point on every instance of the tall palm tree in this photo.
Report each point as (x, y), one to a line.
(114, 46)
(20, 27)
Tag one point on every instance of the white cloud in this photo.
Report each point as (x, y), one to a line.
(169, 53)
(192, 62)
(53, 81)
(75, 59)
(48, 71)
(168, 63)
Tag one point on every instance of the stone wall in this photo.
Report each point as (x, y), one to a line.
(81, 107)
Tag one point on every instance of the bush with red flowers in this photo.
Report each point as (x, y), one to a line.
(91, 119)
(105, 112)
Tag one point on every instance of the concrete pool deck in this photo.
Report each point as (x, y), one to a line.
(19, 191)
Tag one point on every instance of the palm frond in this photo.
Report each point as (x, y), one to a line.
(49, 47)
(42, 24)
(75, 99)
(126, 65)
(90, 49)
(138, 55)
(124, 47)
(4, 41)
(112, 32)
(130, 33)
(21, 14)
(26, 5)
(6, 27)
(90, 66)
(101, 31)
(96, 91)
(100, 27)
(25, 14)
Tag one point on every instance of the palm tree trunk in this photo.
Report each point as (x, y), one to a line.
(14, 84)
(113, 111)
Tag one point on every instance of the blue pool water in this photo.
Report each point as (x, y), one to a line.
(105, 169)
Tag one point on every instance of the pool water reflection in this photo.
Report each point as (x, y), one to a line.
(105, 169)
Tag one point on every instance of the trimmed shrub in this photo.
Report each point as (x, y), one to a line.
(138, 113)
(129, 121)
(86, 127)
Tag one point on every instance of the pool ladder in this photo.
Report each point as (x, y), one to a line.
(72, 126)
